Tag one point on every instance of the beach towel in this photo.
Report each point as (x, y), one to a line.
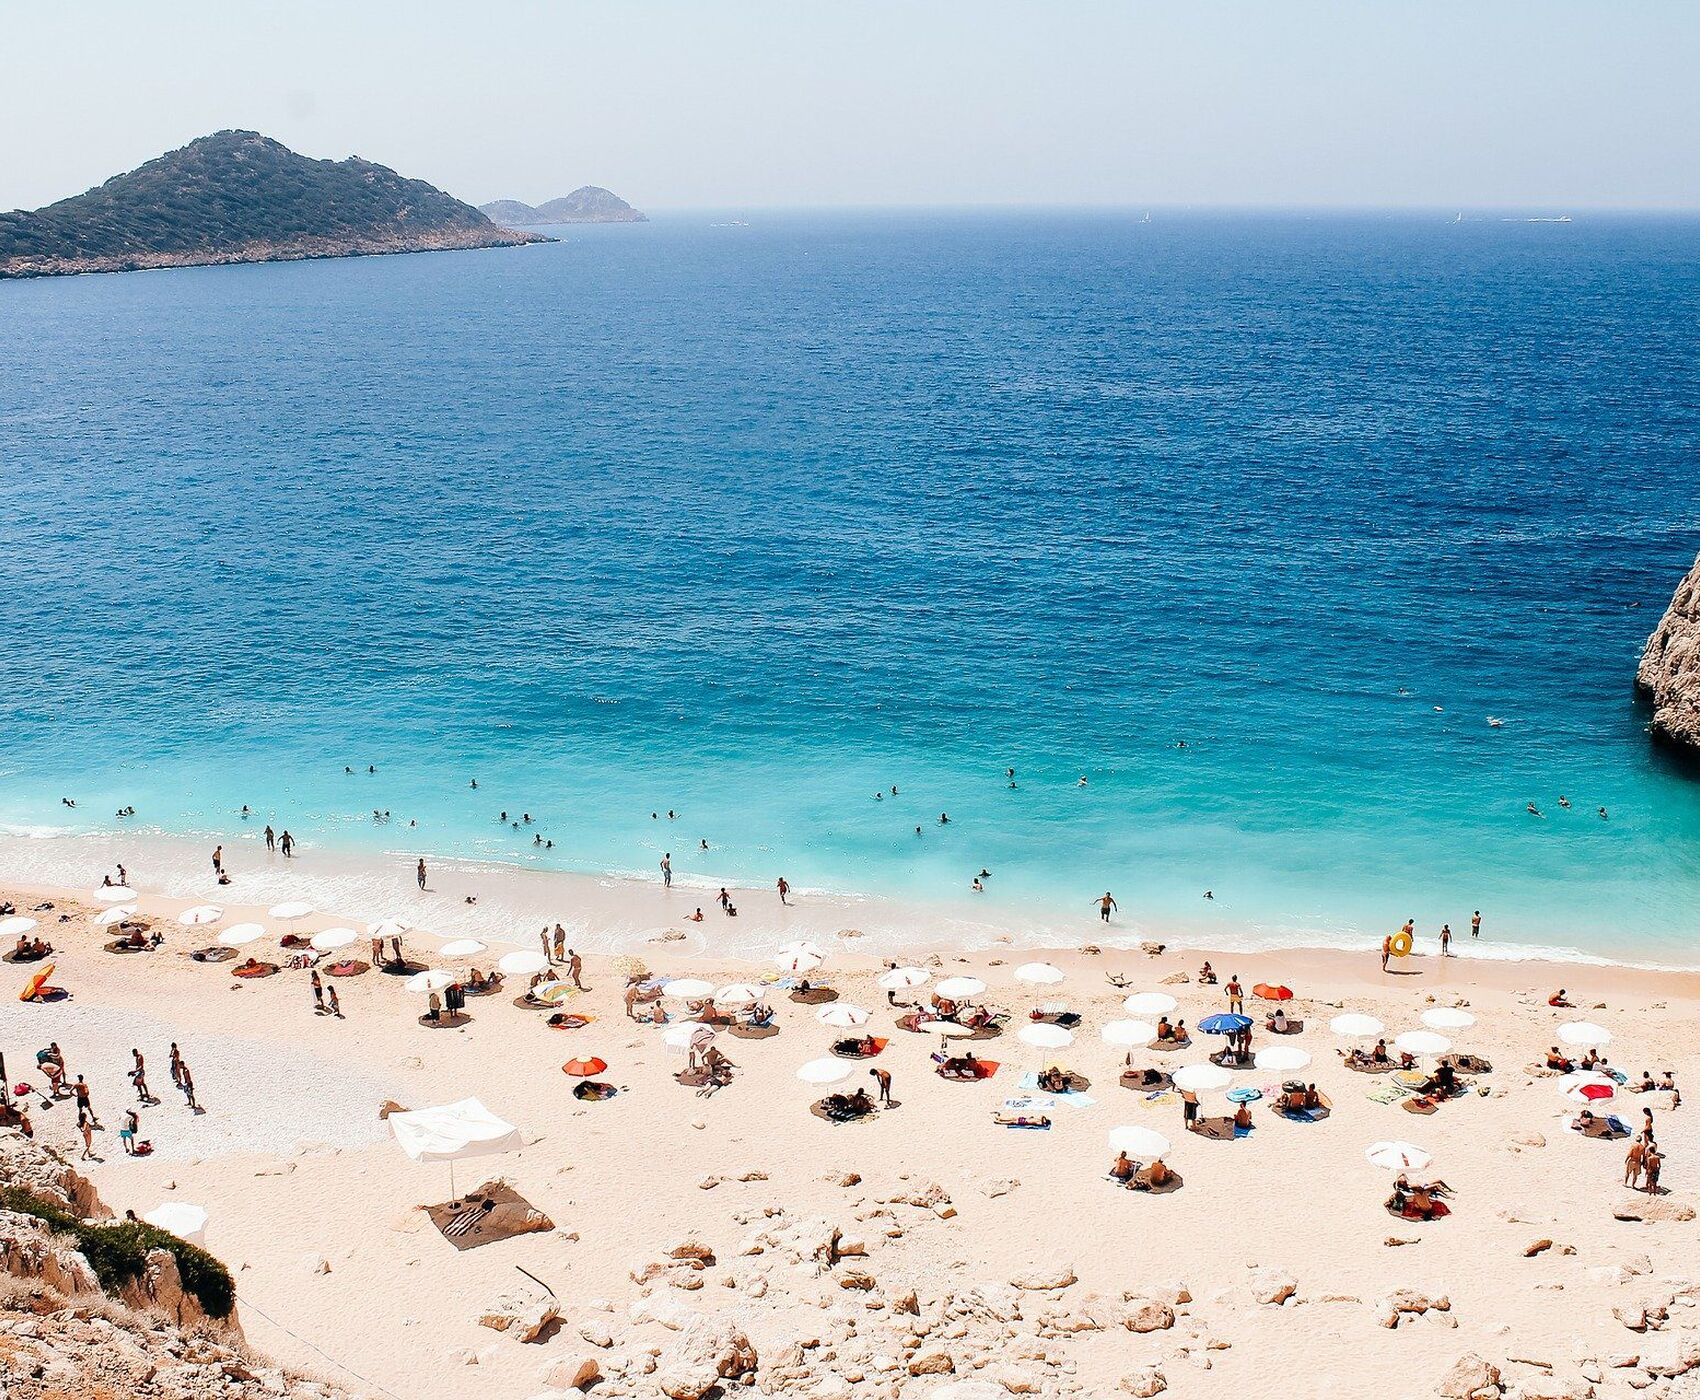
(495, 1211)
(1421, 1104)
(1216, 1129)
(983, 1069)
(1387, 1093)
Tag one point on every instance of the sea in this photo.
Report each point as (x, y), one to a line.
(1260, 568)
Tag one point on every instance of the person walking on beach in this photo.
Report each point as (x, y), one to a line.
(1189, 1109)
(1650, 1165)
(1236, 994)
(1386, 950)
(139, 1076)
(784, 889)
(318, 991)
(543, 942)
(332, 1003)
(176, 1065)
(187, 1085)
(421, 872)
(218, 860)
(127, 1133)
(287, 843)
(667, 870)
(88, 1139)
(1633, 1162)
(575, 968)
(882, 1077)
(85, 1103)
(560, 943)
(271, 838)
(1446, 940)
(725, 899)
(1476, 924)
(1105, 905)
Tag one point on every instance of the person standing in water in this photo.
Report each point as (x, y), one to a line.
(1476, 924)
(667, 870)
(218, 860)
(1446, 940)
(287, 843)
(1105, 905)
(421, 872)
(271, 838)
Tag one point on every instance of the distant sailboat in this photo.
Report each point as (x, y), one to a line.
(1147, 218)
(1460, 218)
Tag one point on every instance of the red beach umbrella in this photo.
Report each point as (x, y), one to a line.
(1268, 993)
(583, 1069)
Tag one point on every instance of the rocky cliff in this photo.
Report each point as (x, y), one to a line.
(1669, 674)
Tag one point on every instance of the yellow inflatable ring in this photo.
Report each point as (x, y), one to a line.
(1401, 944)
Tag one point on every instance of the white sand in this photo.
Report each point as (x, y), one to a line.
(295, 1168)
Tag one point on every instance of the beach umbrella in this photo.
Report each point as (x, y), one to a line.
(1581, 1079)
(689, 988)
(330, 939)
(387, 928)
(522, 962)
(1128, 1033)
(1039, 974)
(737, 994)
(1448, 1018)
(552, 992)
(1275, 993)
(688, 1035)
(1422, 1043)
(842, 1015)
(1583, 1033)
(106, 894)
(1138, 1142)
(1397, 1156)
(1281, 1057)
(11, 928)
(824, 1071)
(583, 1069)
(1045, 1036)
(187, 1222)
(291, 909)
(460, 948)
(238, 934)
(116, 915)
(956, 988)
(898, 979)
(1199, 1077)
(1355, 1023)
(1224, 1023)
(1591, 1092)
(798, 961)
(200, 914)
(803, 950)
(952, 1030)
(628, 966)
(431, 980)
(1149, 1004)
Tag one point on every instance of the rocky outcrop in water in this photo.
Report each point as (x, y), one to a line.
(1669, 674)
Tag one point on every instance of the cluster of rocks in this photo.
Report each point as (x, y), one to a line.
(1669, 673)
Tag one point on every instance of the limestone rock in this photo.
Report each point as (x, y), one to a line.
(1471, 1378)
(1669, 673)
(1042, 1277)
(932, 1363)
(1145, 1382)
(1147, 1315)
(1271, 1286)
(1653, 1208)
(706, 1352)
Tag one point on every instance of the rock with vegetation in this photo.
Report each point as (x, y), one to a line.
(588, 204)
(1669, 674)
(236, 197)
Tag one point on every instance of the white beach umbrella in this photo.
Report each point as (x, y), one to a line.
(1422, 1043)
(1128, 1033)
(11, 928)
(1202, 1077)
(1138, 1142)
(688, 988)
(1583, 1033)
(433, 979)
(1045, 1036)
(291, 909)
(681, 1035)
(238, 934)
(1448, 1018)
(106, 894)
(803, 949)
(950, 1030)
(200, 914)
(460, 948)
(1149, 1004)
(187, 1222)
(824, 1071)
(1355, 1023)
(330, 939)
(737, 994)
(1398, 1156)
(842, 1015)
(898, 979)
(1281, 1057)
(523, 962)
(387, 928)
(955, 988)
(107, 917)
(798, 961)
(1039, 974)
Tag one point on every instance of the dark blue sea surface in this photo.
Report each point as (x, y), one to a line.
(753, 522)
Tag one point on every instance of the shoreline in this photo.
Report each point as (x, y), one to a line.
(620, 912)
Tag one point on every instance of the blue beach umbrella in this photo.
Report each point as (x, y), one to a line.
(1224, 1023)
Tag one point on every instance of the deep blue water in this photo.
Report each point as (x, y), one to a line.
(751, 522)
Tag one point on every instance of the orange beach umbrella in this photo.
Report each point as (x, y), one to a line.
(36, 985)
(1268, 993)
(583, 1069)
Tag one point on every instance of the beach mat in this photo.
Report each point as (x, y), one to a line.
(1168, 1047)
(984, 1069)
(879, 1045)
(753, 1032)
(495, 1211)
(1132, 1079)
(1386, 1093)
(820, 1111)
(1216, 1129)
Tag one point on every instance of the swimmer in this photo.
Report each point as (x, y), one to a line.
(1533, 810)
(1082, 782)
(1563, 801)
(1603, 816)
(979, 888)
(944, 818)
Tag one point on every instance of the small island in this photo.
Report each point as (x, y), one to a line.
(589, 204)
(239, 197)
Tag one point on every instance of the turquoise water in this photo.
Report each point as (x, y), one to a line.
(752, 522)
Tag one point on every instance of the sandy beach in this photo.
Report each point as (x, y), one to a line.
(966, 1252)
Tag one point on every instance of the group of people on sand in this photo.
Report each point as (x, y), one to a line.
(50, 1063)
(1644, 1161)
(30, 949)
(1129, 1173)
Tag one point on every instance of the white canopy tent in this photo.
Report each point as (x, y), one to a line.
(453, 1132)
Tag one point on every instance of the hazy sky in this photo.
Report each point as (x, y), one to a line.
(744, 103)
